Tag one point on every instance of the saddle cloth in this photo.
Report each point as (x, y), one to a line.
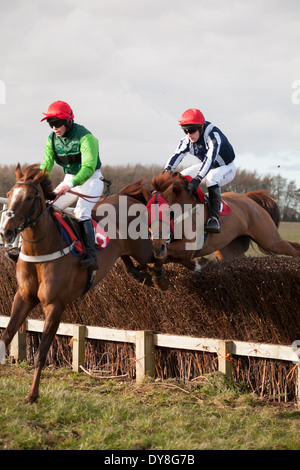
(101, 239)
(225, 209)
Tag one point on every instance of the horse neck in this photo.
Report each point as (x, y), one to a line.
(43, 237)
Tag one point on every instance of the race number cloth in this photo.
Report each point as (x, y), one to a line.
(225, 209)
(101, 239)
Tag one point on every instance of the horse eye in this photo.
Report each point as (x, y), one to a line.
(29, 197)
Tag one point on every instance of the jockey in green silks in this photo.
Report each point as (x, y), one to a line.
(76, 150)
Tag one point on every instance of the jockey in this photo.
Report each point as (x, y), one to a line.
(216, 167)
(75, 149)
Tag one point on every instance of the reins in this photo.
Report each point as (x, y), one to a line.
(28, 223)
(86, 197)
(176, 219)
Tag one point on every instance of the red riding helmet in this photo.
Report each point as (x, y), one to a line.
(59, 110)
(192, 116)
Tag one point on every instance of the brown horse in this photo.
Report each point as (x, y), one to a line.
(51, 275)
(253, 216)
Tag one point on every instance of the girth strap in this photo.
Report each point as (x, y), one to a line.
(49, 257)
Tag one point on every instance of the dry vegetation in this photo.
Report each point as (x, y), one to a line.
(253, 300)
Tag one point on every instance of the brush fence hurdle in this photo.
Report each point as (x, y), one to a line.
(145, 343)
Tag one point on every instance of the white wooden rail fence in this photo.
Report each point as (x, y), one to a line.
(146, 341)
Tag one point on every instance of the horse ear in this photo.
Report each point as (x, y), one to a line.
(39, 177)
(18, 172)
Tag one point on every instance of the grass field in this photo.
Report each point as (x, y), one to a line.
(290, 231)
(76, 412)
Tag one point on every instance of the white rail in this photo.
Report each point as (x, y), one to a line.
(145, 343)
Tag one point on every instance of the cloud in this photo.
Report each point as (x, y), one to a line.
(130, 68)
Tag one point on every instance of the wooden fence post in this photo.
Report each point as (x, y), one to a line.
(18, 344)
(78, 347)
(225, 358)
(144, 351)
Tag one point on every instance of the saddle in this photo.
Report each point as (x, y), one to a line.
(225, 209)
(71, 232)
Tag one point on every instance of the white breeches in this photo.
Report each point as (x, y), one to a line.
(220, 176)
(92, 187)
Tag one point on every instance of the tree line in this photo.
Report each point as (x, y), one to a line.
(285, 192)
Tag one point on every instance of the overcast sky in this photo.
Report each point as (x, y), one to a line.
(129, 68)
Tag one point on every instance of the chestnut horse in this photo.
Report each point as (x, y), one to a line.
(253, 216)
(54, 280)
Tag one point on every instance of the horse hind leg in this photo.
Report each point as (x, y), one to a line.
(283, 247)
(277, 246)
(263, 231)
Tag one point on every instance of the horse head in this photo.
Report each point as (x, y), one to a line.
(26, 201)
(164, 203)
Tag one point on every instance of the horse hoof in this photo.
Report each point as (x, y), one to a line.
(32, 399)
(161, 284)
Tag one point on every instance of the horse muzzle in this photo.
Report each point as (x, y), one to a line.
(159, 249)
(8, 230)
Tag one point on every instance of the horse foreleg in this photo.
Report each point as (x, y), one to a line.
(53, 315)
(158, 277)
(19, 311)
(139, 273)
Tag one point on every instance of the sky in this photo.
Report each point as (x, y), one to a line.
(130, 68)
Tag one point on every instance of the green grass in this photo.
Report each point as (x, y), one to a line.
(76, 412)
(290, 231)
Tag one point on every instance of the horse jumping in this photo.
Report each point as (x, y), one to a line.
(47, 273)
(253, 216)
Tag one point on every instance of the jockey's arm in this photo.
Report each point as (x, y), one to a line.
(49, 157)
(89, 149)
(178, 156)
(212, 152)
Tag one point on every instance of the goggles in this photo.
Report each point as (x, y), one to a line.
(190, 129)
(56, 122)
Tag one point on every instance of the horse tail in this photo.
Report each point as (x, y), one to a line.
(267, 202)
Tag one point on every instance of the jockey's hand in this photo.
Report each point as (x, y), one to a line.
(194, 184)
(168, 168)
(63, 188)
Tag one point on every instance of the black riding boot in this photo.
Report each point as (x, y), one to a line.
(89, 260)
(213, 224)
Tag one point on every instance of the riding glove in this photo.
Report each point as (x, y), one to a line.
(194, 183)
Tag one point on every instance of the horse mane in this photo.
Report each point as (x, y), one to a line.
(159, 183)
(164, 180)
(135, 190)
(31, 172)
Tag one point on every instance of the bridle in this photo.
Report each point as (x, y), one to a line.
(156, 201)
(27, 219)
